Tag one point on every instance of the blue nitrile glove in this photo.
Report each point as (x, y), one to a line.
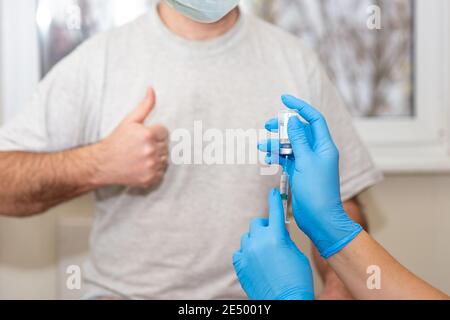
(314, 178)
(269, 265)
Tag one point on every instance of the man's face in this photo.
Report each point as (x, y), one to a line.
(204, 11)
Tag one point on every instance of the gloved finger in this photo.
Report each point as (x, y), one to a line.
(287, 164)
(257, 224)
(272, 125)
(245, 240)
(276, 211)
(318, 123)
(271, 145)
(237, 258)
(298, 137)
(275, 159)
(268, 159)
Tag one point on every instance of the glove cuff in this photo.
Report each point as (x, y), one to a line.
(297, 295)
(328, 253)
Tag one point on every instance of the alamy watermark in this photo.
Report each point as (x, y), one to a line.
(74, 277)
(374, 21)
(374, 279)
(212, 146)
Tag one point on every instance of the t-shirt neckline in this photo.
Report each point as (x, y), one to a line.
(198, 48)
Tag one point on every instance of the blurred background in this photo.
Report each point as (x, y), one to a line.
(373, 70)
(395, 81)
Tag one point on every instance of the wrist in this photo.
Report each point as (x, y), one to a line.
(341, 238)
(98, 153)
(330, 230)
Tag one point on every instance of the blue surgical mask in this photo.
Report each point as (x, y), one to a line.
(204, 11)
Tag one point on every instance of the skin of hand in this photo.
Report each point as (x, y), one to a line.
(269, 265)
(134, 155)
(314, 178)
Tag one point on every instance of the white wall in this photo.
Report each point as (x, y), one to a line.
(410, 215)
(28, 252)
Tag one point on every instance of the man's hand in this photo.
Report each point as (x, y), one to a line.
(269, 265)
(134, 155)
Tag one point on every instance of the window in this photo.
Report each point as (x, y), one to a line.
(63, 24)
(373, 68)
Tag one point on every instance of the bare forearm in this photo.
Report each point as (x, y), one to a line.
(355, 212)
(31, 183)
(396, 282)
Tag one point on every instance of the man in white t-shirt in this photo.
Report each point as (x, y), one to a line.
(168, 233)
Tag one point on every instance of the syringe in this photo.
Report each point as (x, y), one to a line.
(284, 190)
(285, 151)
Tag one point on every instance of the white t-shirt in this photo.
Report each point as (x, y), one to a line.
(177, 241)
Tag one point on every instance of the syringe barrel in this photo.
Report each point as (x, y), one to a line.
(284, 191)
(284, 186)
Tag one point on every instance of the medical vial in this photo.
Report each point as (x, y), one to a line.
(283, 121)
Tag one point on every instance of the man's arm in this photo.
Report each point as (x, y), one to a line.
(33, 183)
(134, 155)
(334, 288)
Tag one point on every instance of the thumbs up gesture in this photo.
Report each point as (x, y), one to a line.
(134, 155)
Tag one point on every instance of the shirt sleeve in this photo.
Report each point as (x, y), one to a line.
(357, 168)
(64, 109)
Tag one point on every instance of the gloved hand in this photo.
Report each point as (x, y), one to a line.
(314, 178)
(269, 265)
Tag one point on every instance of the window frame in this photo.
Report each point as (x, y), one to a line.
(419, 143)
(19, 58)
(398, 145)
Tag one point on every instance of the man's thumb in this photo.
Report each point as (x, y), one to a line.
(144, 109)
